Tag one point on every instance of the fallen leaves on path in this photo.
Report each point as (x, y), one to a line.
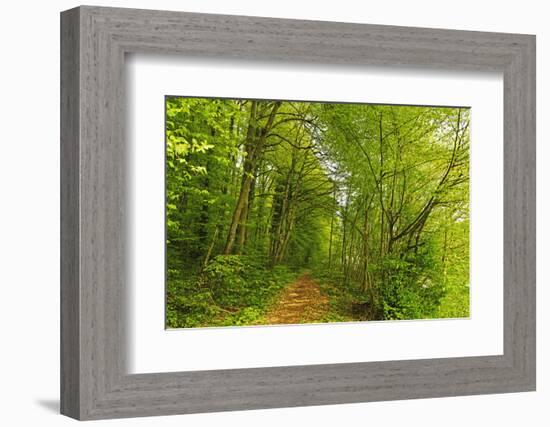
(300, 302)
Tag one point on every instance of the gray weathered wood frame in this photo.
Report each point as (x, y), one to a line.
(94, 382)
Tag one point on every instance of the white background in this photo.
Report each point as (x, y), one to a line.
(29, 218)
(153, 349)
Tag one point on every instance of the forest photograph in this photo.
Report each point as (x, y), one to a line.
(293, 212)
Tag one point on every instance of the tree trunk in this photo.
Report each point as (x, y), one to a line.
(210, 248)
(255, 142)
(330, 241)
(245, 181)
(366, 282)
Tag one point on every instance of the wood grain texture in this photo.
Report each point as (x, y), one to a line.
(70, 314)
(94, 382)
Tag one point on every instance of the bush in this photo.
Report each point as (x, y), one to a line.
(187, 305)
(408, 287)
(224, 276)
(231, 290)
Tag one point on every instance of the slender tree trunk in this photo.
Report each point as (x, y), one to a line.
(283, 213)
(345, 231)
(255, 142)
(245, 181)
(258, 229)
(242, 229)
(237, 214)
(444, 258)
(366, 282)
(210, 248)
(381, 192)
(330, 241)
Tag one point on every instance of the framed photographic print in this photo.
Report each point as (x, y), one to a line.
(262, 213)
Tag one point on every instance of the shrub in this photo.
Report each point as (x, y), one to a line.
(408, 287)
(188, 305)
(231, 290)
(224, 276)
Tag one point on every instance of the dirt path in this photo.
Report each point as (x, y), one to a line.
(299, 302)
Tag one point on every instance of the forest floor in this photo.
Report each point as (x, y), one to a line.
(300, 302)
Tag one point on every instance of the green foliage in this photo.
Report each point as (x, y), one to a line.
(232, 290)
(455, 303)
(224, 276)
(188, 304)
(410, 288)
(341, 298)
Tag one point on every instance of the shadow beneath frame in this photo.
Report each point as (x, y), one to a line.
(52, 405)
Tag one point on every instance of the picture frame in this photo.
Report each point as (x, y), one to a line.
(94, 269)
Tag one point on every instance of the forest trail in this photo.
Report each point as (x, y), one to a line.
(300, 302)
